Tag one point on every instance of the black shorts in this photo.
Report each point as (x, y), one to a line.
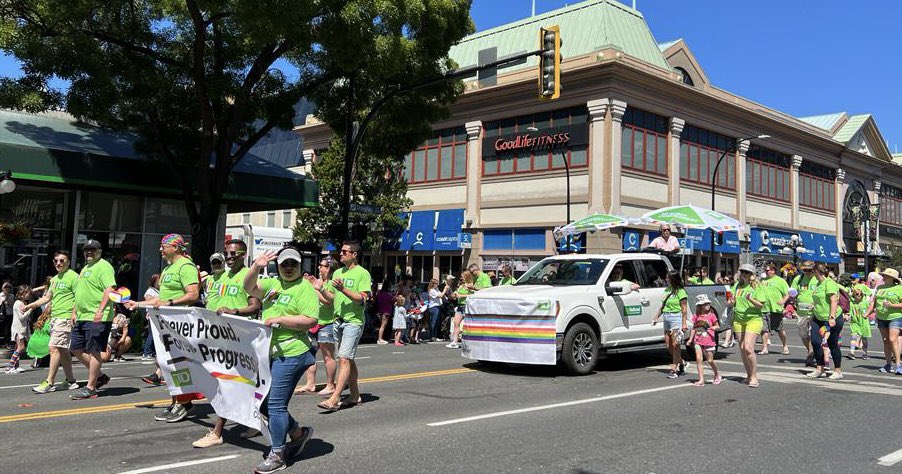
(89, 336)
(773, 322)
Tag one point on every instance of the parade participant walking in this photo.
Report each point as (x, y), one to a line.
(61, 296)
(675, 312)
(777, 291)
(325, 336)
(384, 303)
(859, 323)
(290, 307)
(464, 289)
(179, 286)
(352, 288)
(704, 328)
(747, 299)
(226, 295)
(805, 284)
(507, 276)
(826, 307)
(19, 331)
(887, 305)
(92, 317)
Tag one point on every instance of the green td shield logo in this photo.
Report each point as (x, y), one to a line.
(181, 378)
(544, 305)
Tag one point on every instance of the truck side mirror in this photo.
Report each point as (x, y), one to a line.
(618, 288)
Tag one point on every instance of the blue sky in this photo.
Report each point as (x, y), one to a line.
(801, 57)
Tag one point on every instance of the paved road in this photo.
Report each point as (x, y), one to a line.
(428, 409)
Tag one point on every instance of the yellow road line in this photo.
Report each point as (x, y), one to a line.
(125, 406)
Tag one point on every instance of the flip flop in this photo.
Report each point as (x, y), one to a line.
(717, 380)
(329, 408)
(754, 385)
(301, 391)
(324, 393)
(785, 352)
(698, 383)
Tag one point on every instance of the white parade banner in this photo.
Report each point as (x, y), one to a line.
(226, 358)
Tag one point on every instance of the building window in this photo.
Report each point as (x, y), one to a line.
(699, 151)
(271, 219)
(767, 174)
(442, 157)
(513, 239)
(286, 220)
(684, 76)
(890, 205)
(644, 142)
(816, 186)
(246, 218)
(527, 161)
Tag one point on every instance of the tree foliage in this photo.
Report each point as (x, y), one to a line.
(201, 81)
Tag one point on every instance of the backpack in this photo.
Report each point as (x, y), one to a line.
(844, 300)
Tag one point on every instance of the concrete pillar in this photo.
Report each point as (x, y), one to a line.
(794, 191)
(839, 188)
(474, 178)
(598, 110)
(673, 161)
(740, 181)
(618, 108)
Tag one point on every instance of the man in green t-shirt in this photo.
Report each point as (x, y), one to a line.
(481, 279)
(61, 296)
(805, 284)
(351, 286)
(92, 317)
(777, 291)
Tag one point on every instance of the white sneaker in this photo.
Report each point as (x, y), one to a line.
(835, 376)
(73, 385)
(453, 345)
(815, 374)
(208, 440)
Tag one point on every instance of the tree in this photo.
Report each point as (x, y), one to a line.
(201, 82)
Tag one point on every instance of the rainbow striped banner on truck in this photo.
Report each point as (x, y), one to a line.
(516, 330)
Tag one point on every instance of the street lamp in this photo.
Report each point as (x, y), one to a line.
(567, 171)
(7, 185)
(869, 216)
(733, 147)
(794, 247)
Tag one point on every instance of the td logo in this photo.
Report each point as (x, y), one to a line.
(181, 378)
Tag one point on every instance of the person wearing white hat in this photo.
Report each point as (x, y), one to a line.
(703, 334)
(747, 299)
(887, 305)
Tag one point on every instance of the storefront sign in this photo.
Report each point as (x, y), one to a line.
(817, 247)
(632, 240)
(464, 240)
(890, 231)
(564, 137)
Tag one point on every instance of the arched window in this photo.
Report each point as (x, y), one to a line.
(686, 78)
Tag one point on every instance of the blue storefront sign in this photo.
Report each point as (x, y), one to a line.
(817, 247)
(464, 240)
(632, 240)
(447, 232)
(427, 231)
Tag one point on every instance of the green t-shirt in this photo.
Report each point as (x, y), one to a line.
(673, 299)
(822, 294)
(288, 298)
(776, 289)
(326, 313)
(507, 281)
(227, 290)
(865, 290)
(177, 276)
(805, 285)
(482, 281)
(63, 289)
(891, 294)
(93, 280)
(462, 293)
(744, 310)
(355, 279)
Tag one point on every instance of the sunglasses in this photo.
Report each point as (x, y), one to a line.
(324, 265)
(216, 262)
(233, 254)
(347, 251)
(289, 263)
(59, 260)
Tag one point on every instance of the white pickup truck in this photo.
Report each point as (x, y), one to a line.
(566, 310)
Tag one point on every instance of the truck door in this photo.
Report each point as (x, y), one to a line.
(652, 277)
(627, 313)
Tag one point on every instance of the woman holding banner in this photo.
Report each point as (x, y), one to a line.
(290, 307)
(179, 286)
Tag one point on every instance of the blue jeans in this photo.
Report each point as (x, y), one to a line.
(435, 321)
(149, 348)
(286, 372)
(832, 341)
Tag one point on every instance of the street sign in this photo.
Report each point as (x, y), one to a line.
(464, 240)
(365, 208)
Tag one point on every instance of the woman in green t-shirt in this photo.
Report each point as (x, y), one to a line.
(887, 306)
(747, 298)
(825, 323)
(460, 297)
(675, 312)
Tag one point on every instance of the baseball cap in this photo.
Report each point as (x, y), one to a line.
(748, 267)
(217, 256)
(856, 276)
(807, 265)
(93, 244)
(289, 254)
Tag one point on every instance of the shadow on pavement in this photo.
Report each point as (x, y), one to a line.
(538, 371)
(118, 391)
(315, 448)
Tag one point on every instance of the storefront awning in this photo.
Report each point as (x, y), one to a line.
(427, 231)
(818, 247)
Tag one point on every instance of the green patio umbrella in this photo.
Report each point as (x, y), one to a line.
(693, 217)
(590, 223)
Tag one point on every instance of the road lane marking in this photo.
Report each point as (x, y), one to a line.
(556, 405)
(181, 464)
(125, 406)
(890, 459)
(58, 390)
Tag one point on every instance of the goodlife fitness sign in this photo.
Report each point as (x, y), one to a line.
(551, 139)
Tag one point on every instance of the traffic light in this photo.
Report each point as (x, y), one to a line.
(550, 63)
(718, 238)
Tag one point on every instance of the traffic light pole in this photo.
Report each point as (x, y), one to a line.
(354, 135)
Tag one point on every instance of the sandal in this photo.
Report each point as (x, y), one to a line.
(324, 393)
(346, 404)
(754, 385)
(305, 391)
(717, 380)
(328, 407)
(698, 383)
(785, 351)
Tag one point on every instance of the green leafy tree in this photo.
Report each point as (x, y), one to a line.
(201, 82)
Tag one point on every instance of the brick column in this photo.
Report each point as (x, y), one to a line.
(598, 110)
(673, 160)
(794, 190)
(618, 108)
(474, 178)
(740, 181)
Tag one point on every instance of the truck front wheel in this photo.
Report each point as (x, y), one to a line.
(580, 349)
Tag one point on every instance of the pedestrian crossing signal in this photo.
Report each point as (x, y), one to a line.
(550, 63)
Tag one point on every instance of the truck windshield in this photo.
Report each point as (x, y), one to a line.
(564, 272)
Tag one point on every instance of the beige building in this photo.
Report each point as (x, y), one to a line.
(642, 127)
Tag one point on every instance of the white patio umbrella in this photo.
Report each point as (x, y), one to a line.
(693, 217)
(591, 223)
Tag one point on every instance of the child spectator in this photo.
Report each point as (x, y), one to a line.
(19, 331)
(861, 326)
(704, 325)
(399, 322)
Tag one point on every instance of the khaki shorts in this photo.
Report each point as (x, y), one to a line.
(804, 326)
(60, 332)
